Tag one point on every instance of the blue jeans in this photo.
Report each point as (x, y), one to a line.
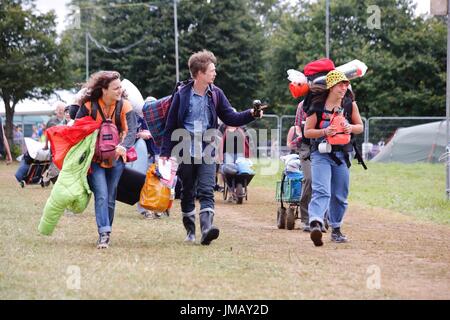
(198, 180)
(103, 183)
(330, 186)
(21, 173)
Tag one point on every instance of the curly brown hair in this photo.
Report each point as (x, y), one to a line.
(200, 61)
(98, 81)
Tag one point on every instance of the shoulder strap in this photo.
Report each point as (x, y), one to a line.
(181, 84)
(118, 111)
(215, 98)
(100, 110)
(348, 108)
(94, 108)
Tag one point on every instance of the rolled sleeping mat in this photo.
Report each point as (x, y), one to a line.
(130, 185)
(352, 70)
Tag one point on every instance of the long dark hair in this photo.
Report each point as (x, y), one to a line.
(320, 97)
(98, 81)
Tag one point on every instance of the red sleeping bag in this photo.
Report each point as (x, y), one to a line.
(63, 138)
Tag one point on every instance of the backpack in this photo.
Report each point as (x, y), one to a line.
(108, 137)
(338, 120)
(313, 70)
(300, 119)
(155, 112)
(338, 144)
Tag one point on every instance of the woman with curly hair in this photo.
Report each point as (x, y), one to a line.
(104, 91)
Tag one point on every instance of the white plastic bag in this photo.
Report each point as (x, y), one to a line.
(134, 96)
(296, 76)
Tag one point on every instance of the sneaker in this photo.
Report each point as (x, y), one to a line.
(157, 215)
(306, 228)
(151, 215)
(337, 236)
(316, 233)
(103, 240)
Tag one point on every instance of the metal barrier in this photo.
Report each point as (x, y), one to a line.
(367, 125)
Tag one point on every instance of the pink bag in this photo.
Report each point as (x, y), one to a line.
(131, 155)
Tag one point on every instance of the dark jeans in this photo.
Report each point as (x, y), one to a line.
(198, 180)
(305, 161)
(22, 171)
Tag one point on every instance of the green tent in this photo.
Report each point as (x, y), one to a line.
(424, 143)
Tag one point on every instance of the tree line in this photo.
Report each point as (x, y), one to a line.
(255, 42)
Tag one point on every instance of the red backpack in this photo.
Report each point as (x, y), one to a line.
(340, 138)
(108, 136)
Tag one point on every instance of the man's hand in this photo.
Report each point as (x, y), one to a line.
(164, 159)
(257, 113)
(258, 107)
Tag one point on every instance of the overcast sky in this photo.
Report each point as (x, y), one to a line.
(423, 6)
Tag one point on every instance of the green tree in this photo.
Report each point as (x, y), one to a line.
(32, 63)
(405, 55)
(227, 28)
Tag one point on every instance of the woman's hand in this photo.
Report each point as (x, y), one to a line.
(330, 130)
(121, 151)
(348, 128)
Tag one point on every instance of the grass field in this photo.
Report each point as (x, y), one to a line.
(413, 189)
(250, 260)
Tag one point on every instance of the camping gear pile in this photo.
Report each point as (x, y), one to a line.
(289, 191)
(237, 177)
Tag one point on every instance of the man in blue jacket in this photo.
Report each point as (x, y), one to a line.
(195, 109)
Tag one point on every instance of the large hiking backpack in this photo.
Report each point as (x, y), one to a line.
(108, 137)
(155, 112)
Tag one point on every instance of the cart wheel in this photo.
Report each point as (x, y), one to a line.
(290, 218)
(22, 184)
(281, 218)
(239, 193)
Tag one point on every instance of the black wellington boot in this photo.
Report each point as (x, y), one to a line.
(189, 224)
(209, 232)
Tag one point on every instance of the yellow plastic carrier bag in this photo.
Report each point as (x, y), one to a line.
(155, 195)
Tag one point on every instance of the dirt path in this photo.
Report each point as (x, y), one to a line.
(389, 255)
